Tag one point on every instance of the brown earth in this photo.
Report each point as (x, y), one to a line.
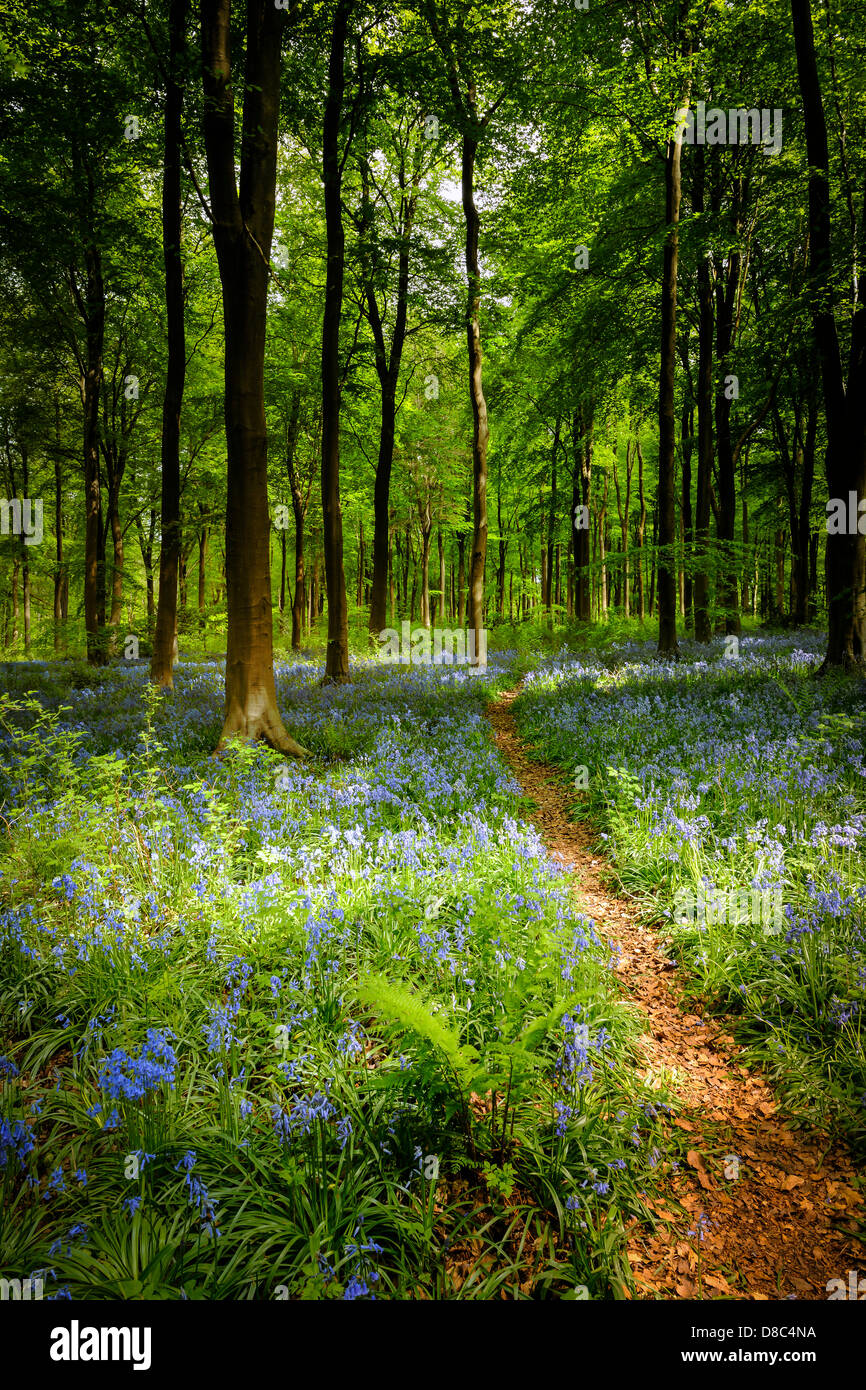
(782, 1228)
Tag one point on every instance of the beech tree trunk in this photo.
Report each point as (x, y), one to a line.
(388, 371)
(844, 401)
(581, 435)
(242, 229)
(471, 124)
(641, 534)
(166, 612)
(94, 319)
(337, 659)
(59, 569)
(667, 521)
(727, 288)
(480, 428)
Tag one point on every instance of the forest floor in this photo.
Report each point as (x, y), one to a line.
(783, 1226)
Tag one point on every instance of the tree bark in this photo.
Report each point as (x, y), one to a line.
(641, 534)
(172, 217)
(844, 401)
(92, 388)
(59, 568)
(388, 371)
(243, 221)
(581, 435)
(667, 521)
(706, 326)
(337, 659)
(666, 502)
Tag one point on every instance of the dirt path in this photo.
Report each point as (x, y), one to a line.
(767, 1234)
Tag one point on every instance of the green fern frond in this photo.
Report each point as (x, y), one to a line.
(410, 1010)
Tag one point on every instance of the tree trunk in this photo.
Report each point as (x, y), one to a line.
(442, 616)
(461, 581)
(58, 554)
(242, 230)
(581, 434)
(551, 520)
(844, 402)
(706, 325)
(172, 218)
(300, 580)
(388, 370)
(480, 428)
(641, 534)
(337, 658)
(727, 289)
(92, 389)
(667, 521)
(202, 568)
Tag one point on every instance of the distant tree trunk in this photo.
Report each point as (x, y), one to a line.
(623, 523)
(542, 554)
(803, 593)
(780, 571)
(388, 371)
(172, 220)
(551, 519)
(653, 560)
(337, 659)
(602, 551)
(242, 231)
(314, 591)
(94, 320)
(14, 597)
(471, 126)
(581, 434)
(727, 290)
(59, 569)
(391, 578)
(146, 541)
(300, 581)
(641, 534)
(441, 605)
(202, 567)
(706, 325)
(426, 522)
(667, 568)
(481, 432)
(115, 458)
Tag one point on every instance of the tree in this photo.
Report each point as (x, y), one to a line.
(172, 221)
(844, 397)
(337, 658)
(243, 222)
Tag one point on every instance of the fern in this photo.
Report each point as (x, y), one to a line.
(411, 1011)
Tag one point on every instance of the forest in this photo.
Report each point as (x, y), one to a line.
(432, 642)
